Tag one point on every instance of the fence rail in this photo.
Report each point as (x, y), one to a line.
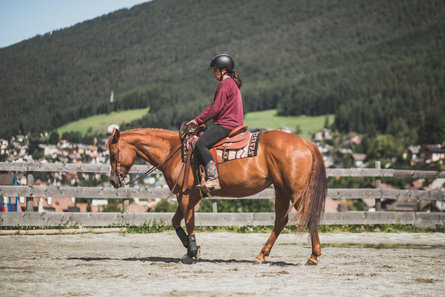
(151, 193)
(67, 220)
(103, 219)
(138, 169)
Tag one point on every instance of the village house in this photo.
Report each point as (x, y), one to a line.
(323, 134)
(8, 204)
(4, 147)
(359, 160)
(432, 153)
(412, 153)
(50, 151)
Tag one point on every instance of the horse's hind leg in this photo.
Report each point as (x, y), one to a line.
(316, 249)
(281, 218)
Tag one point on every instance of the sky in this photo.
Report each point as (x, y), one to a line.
(24, 19)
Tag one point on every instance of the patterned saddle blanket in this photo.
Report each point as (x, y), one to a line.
(240, 143)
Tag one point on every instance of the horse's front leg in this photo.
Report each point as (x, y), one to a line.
(176, 223)
(186, 206)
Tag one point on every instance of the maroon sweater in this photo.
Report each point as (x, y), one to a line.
(227, 107)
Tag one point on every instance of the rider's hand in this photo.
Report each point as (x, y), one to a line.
(192, 124)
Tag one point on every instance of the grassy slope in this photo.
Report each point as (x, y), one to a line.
(254, 120)
(269, 119)
(100, 123)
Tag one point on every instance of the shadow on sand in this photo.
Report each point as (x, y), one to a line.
(177, 260)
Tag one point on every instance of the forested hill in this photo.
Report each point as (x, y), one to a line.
(376, 64)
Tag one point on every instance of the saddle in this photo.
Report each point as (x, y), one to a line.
(234, 146)
(240, 143)
(238, 138)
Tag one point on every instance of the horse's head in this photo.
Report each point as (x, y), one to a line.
(122, 157)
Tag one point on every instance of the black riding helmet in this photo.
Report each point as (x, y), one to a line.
(222, 61)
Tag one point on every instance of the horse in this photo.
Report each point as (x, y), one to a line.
(293, 165)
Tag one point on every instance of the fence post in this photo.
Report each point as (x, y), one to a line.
(214, 205)
(29, 200)
(126, 205)
(126, 201)
(378, 184)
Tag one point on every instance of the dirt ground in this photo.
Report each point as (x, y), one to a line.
(363, 264)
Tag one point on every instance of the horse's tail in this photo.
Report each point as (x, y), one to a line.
(312, 200)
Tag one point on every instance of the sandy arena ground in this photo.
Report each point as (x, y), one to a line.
(364, 264)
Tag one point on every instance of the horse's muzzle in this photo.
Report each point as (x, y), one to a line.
(115, 182)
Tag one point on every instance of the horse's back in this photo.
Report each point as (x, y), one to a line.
(288, 156)
(283, 141)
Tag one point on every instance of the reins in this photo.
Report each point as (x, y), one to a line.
(152, 169)
(184, 135)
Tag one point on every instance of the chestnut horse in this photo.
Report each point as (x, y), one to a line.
(292, 164)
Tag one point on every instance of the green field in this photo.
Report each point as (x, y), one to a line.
(268, 119)
(99, 123)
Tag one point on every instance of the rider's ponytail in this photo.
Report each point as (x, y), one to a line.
(235, 76)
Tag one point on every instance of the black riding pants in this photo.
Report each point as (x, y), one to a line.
(210, 136)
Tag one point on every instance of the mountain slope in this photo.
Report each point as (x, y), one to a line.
(304, 57)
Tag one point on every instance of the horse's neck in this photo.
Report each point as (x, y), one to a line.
(152, 145)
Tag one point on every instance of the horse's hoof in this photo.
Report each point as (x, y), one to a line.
(186, 259)
(311, 262)
(258, 261)
(198, 253)
(191, 258)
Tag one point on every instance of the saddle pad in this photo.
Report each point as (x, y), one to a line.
(249, 150)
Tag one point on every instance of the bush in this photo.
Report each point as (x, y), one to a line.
(240, 205)
(165, 206)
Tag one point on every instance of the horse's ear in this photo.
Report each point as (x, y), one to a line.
(115, 135)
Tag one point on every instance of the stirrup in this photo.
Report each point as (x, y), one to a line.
(213, 184)
(209, 185)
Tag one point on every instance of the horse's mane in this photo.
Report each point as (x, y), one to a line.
(145, 131)
(142, 134)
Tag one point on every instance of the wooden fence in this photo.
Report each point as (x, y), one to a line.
(30, 191)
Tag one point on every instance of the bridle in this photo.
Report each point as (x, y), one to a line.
(121, 176)
(184, 135)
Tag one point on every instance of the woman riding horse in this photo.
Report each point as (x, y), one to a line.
(226, 111)
(294, 166)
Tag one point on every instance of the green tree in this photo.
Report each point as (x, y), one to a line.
(433, 131)
(326, 122)
(384, 146)
(53, 137)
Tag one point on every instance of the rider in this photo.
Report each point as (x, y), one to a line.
(226, 111)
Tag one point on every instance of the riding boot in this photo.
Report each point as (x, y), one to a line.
(212, 182)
